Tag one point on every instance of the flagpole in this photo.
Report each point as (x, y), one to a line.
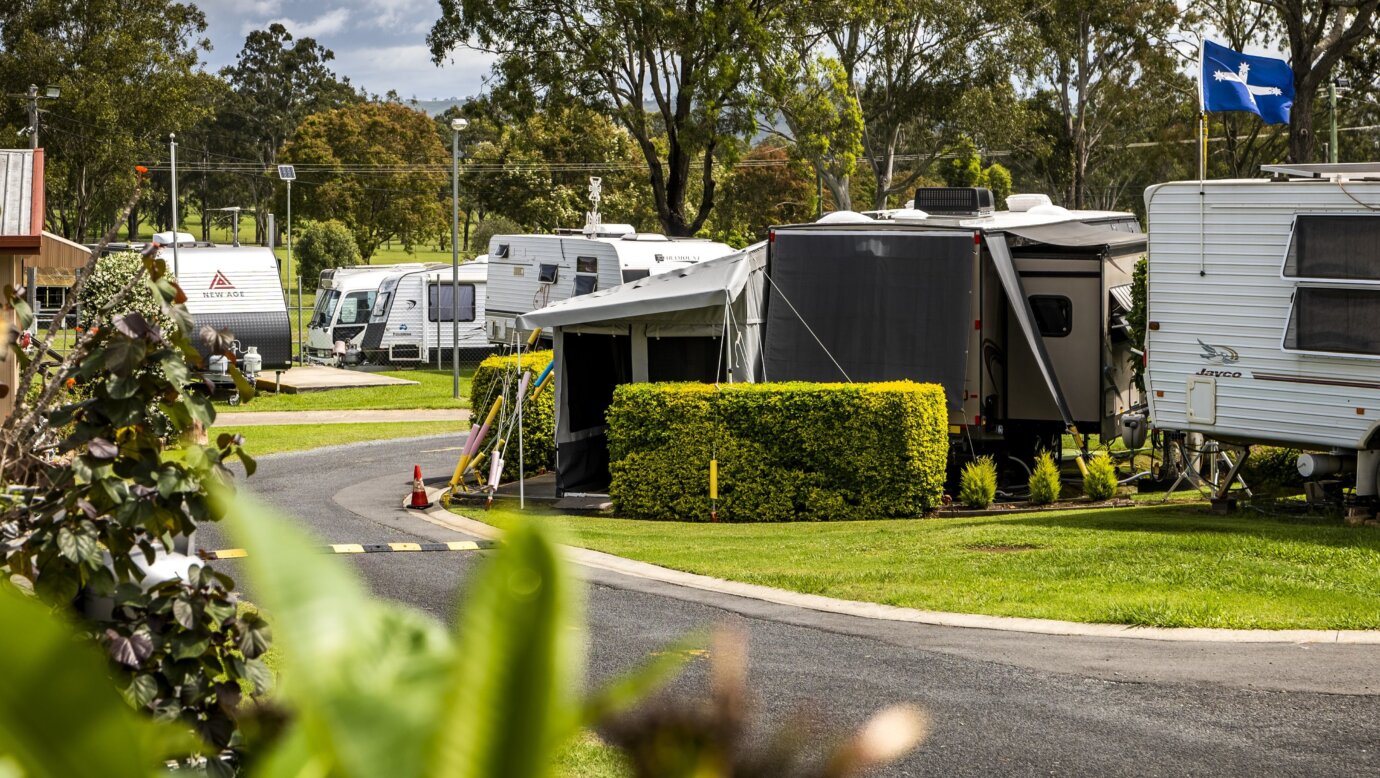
(1202, 157)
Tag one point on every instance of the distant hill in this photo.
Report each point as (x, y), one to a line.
(435, 107)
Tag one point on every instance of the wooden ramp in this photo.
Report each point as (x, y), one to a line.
(317, 378)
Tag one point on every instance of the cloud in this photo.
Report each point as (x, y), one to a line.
(408, 69)
(328, 23)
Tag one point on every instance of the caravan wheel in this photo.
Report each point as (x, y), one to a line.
(234, 398)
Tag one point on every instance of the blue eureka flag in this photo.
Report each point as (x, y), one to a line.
(1232, 81)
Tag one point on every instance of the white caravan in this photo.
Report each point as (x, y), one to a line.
(235, 288)
(396, 315)
(529, 272)
(345, 298)
(1264, 313)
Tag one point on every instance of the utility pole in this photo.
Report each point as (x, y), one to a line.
(1336, 85)
(288, 174)
(32, 96)
(172, 145)
(456, 125)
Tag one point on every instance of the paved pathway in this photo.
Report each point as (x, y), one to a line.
(1003, 703)
(265, 418)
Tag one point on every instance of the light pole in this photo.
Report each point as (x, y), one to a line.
(456, 125)
(288, 174)
(49, 93)
(172, 153)
(1338, 84)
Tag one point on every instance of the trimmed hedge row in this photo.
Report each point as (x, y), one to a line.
(538, 415)
(786, 452)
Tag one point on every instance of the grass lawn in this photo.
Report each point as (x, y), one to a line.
(588, 757)
(432, 391)
(1170, 566)
(277, 438)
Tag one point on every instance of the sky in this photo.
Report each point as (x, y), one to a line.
(379, 44)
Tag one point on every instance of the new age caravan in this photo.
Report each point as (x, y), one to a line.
(528, 272)
(1016, 313)
(1264, 314)
(397, 315)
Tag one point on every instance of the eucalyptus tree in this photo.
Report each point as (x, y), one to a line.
(676, 74)
(1097, 64)
(1319, 33)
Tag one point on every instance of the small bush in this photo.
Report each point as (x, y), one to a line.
(1099, 482)
(1271, 470)
(786, 452)
(322, 245)
(1044, 480)
(492, 225)
(538, 414)
(977, 486)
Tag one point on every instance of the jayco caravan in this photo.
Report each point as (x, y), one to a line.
(1264, 313)
(528, 272)
(397, 315)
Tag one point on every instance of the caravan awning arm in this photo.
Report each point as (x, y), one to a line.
(1011, 282)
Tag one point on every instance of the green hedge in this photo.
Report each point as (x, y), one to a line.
(786, 452)
(538, 416)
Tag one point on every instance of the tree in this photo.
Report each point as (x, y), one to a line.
(122, 93)
(965, 169)
(1099, 61)
(823, 119)
(377, 167)
(325, 244)
(768, 188)
(275, 83)
(689, 60)
(1319, 33)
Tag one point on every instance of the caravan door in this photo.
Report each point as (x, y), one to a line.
(1065, 296)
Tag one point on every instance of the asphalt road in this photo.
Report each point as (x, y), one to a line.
(1001, 703)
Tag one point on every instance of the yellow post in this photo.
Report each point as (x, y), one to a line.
(457, 478)
(1078, 441)
(713, 479)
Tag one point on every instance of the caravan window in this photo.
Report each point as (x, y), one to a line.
(586, 284)
(439, 299)
(1334, 247)
(1335, 321)
(549, 273)
(586, 264)
(380, 306)
(355, 308)
(635, 275)
(502, 251)
(1053, 314)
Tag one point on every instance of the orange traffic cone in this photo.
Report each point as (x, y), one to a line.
(419, 500)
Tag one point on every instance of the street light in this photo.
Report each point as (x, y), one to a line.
(1338, 84)
(288, 174)
(456, 125)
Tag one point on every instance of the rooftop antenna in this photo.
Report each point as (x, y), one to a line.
(592, 220)
(234, 222)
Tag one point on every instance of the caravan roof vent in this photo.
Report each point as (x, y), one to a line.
(1047, 209)
(909, 216)
(843, 217)
(1020, 203)
(954, 200)
(166, 238)
(646, 237)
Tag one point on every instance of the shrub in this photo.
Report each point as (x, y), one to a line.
(977, 485)
(492, 225)
(1099, 482)
(538, 414)
(324, 244)
(785, 452)
(101, 299)
(1044, 480)
(1272, 470)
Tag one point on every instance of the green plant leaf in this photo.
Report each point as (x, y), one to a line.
(508, 706)
(361, 675)
(60, 716)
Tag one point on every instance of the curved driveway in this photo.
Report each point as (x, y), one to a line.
(1002, 703)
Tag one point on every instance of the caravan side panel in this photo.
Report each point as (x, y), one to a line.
(1221, 306)
(237, 289)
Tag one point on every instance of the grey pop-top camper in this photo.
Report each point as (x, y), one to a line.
(1264, 313)
(1016, 313)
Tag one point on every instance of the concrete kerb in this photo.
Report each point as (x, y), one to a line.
(867, 610)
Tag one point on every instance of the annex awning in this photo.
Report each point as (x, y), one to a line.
(701, 285)
(1077, 235)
